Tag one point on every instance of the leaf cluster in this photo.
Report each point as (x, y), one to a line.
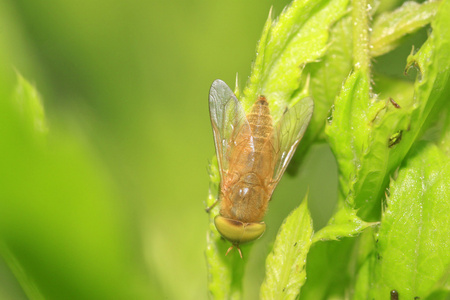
(390, 135)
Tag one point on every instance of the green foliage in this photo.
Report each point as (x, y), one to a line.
(285, 265)
(327, 270)
(390, 27)
(30, 106)
(50, 209)
(414, 231)
(325, 81)
(345, 223)
(100, 190)
(297, 37)
(378, 240)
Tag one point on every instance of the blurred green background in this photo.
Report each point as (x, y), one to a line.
(113, 207)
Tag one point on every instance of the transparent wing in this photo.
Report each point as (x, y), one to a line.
(227, 119)
(288, 133)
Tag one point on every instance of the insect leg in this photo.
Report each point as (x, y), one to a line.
(208, 209)
(240, 253)
(237, 247)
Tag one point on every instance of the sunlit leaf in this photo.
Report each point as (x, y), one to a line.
(285, 265)
(323, 87)
(389, 27)
(413, 248)
(30, 105)
(299, 36)
(345, 223)
(378, 134)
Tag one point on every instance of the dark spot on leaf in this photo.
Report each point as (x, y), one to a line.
(330, 116)
(395, 139)
(295, 244)
(416, 298)
(284, 289)
(394, 103)
(394, 295)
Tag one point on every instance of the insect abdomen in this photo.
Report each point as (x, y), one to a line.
(254, 151)
(260, 122)
(251, 168)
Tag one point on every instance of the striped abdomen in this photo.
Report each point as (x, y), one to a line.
(246, 192)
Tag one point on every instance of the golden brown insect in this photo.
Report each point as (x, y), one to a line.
(396, 105)
(253, 154)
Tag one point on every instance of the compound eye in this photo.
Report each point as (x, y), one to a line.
(238, 232)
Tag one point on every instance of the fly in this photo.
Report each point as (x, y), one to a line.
(252, 154)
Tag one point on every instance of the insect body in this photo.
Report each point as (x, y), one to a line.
(394, 295)
(253, 154)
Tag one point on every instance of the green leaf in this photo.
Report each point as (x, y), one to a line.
(29, 286)
(413, 245)
(326, 76)
(345, 223)
(444, 141)
(328, 270)
(258, 67)
(299, 36)
(347, 133)
(401, 91)
(439, 295)
(325, 81)
(285, 265)
(389, 27)
(366, 258)
(429, 88)
(371, 137)
(62, 228)
(29, 103)
(360, 35)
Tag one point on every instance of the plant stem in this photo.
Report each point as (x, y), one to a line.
(361, 58)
